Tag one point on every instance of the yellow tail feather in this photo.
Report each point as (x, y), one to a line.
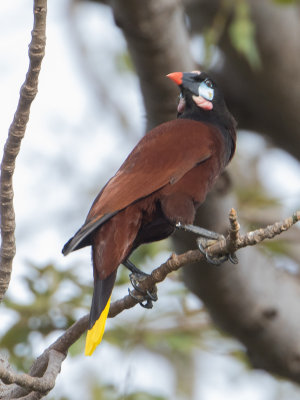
(94, 335)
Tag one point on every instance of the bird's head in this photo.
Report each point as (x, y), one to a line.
(201, 99)
(198, 92)
(195, 87)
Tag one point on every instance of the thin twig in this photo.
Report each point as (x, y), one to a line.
(12, 147)
(234, 229)
(236, 241)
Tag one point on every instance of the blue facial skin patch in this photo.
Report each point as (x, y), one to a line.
(205, 91)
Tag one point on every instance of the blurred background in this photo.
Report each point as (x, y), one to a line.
(89, 113)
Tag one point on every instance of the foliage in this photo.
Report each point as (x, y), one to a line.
(48, 311)
(236, 15)
(242, 34)
(256, 205)
(286, 2)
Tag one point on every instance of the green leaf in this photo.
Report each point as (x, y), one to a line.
(286, 2)
(124, 62)
(276, 247)
(50, 310)
(255, 196)
(77, 348)
(142, 396)
(242, 34)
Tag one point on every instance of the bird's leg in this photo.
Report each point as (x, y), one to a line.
(129, 265)
(199, 231)
(206, 239)
(136, 277)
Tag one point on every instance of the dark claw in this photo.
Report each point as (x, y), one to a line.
(152, 296)
(147, 305)
(216, 260)
(135, 279)
(233, 258)
(142, 298)
(201, 247)
(204, 243)
(206, 238)
(148, 297)
(211, 260)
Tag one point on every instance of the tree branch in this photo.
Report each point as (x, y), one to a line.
(236, 241)
(44, 370)
(13, 143)
(37, 384)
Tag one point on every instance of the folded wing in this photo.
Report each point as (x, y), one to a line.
(151, 165)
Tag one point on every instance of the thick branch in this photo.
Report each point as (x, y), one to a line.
(13, 143)
(157, 48)
(43, 384)
(47, 366)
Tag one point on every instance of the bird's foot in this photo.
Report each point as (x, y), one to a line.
(136, 277)
(204, 243)
(205, 239)
(145, 298)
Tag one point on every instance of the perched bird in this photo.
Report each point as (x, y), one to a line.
(157, 189)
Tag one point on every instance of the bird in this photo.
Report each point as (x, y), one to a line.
(157, 189)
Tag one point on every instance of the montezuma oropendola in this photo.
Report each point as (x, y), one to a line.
(157, 189)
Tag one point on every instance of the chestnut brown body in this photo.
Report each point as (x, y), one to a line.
(161, 183)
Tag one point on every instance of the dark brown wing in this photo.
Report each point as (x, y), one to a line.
(163, 156)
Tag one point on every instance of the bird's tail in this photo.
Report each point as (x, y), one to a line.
(99, 311)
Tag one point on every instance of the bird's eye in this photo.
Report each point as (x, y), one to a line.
(209, 83)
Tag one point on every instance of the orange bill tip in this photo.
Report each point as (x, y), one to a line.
(176, 77)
